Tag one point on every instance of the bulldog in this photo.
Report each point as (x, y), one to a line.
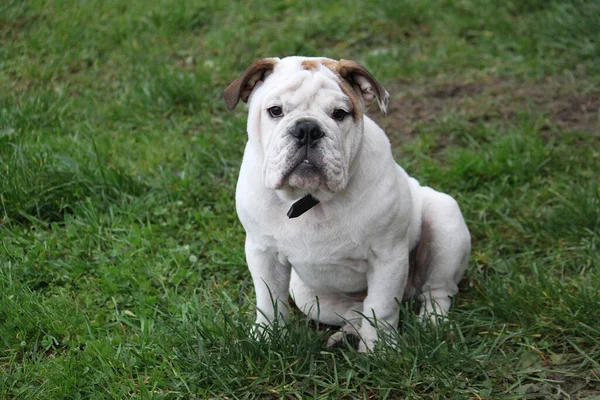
(331, 219)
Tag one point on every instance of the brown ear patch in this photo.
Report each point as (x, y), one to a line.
(364, 85)
(355, 101)
(242, 87)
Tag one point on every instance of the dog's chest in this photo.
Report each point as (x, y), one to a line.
(326, 260)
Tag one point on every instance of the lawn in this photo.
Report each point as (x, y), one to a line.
(122, 271)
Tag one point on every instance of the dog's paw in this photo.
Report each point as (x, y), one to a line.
(433, 317)
(347, 334)
(343, 338)
(367, 345)
(368, 339)
(336, 340)
(434, 311)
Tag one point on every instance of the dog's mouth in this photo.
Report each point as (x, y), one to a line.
(305, 169)
(305, 175)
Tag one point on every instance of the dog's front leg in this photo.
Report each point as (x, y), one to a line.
(386, 280)
(271, 280)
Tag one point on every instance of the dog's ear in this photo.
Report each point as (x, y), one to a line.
(243, 86)
(363, 83)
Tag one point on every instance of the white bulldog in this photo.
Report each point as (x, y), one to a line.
(330, 218)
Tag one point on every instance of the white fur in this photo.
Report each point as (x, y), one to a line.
(351, 251)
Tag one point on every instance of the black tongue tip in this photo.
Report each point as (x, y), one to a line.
(302, 206)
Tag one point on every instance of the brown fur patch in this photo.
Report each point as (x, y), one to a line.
(347, 69)
(313, 64)
(331, 64)
(357, 106)
(310, 65)
(355, 101)
(243, 86)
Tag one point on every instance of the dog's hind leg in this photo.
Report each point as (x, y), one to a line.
(442, 254)
(329, 308)
(326, 307)
(339, 309)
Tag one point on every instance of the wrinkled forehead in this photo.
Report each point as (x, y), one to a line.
(308, 85)
(296, 85)
(300, 85)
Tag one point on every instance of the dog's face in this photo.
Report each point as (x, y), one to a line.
(306, 119)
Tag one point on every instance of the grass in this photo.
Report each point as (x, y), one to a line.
(122, 273)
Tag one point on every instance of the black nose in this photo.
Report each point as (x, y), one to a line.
(307, 132)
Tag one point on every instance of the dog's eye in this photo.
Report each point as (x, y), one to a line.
(339, 114)
(275, 111)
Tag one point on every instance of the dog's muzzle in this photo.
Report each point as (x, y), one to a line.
(307, 160)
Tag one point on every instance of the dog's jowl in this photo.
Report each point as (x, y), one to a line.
(328, 213)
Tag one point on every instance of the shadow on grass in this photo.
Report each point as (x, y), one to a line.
(43, 187)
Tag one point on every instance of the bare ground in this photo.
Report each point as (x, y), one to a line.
(563, 107)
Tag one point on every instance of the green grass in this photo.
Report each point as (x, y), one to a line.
(122, 273)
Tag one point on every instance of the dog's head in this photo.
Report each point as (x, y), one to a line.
(306, 119)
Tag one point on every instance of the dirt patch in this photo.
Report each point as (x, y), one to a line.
(563, 107)
(584, 387)
(12, 28)
(450, 91)
(580, 113)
